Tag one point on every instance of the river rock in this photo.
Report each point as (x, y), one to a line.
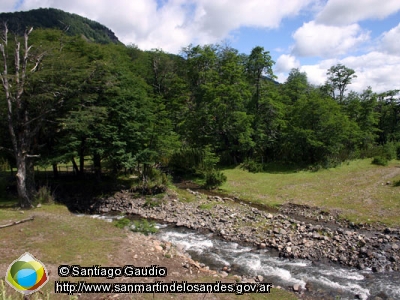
(293, 238)
(296, 287)
(269, 216)
(309, 286)
(262, 246)
(223, 274)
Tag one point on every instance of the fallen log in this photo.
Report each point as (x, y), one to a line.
(17, 222)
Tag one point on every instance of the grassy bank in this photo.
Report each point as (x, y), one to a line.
(358, 190)
(56, 237)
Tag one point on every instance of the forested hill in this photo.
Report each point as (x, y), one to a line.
(57, 19)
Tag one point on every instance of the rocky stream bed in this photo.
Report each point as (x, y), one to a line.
(314, 235)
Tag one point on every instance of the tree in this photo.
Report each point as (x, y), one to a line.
(362, 108)
(389, 121)
(220, 96)
(319, 132)
(259, 65)
(339, 78)
(296, 85)
(22, 125)
(37, 81)
(110, 117)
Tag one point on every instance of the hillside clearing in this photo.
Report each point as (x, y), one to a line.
(359, 191)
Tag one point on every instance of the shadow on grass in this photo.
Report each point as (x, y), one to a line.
(77, 193)
(8, 198)
(276, 168)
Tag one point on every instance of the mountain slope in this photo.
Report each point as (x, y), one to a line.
(57, 19)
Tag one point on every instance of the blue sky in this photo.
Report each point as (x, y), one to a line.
(311, 35)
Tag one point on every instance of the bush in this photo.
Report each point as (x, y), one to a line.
(122, 223)
(389, 150)
(214, 179)
(380, 161)
(148, 189)
(4, 165)
(186, 161)
(398, 151)
(252, 166)
(144, 226)
(44, 196)
(153, 182)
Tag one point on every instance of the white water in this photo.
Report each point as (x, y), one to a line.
(332, 280)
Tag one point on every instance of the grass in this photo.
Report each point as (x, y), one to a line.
(358, 190)
(207, 206)
(56, 235)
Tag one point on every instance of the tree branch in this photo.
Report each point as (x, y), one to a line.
(17, 222)
(5, 33)
(38, 117)
(7, 149)
(38, 61)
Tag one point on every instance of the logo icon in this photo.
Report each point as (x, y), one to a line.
(27, 274)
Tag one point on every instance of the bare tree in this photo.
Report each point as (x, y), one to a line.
(20, 123)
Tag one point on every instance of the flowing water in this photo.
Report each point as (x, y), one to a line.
(326, 280)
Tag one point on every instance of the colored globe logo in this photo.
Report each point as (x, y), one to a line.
(27, 274)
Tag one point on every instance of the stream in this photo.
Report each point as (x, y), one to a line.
(319, 280)
(322, 280)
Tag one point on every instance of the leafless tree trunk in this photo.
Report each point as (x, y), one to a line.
(19, 120)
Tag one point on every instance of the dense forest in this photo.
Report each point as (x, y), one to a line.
(153, 113)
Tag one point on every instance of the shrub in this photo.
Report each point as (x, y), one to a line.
(44, 196)
(252, 166)
(389, 150)
(122, 223)
(380, 161)
(214, 179)
(186, 161)
(4, 165)
(398, 151)
(153, 182)
(148, 188)
(144, 226)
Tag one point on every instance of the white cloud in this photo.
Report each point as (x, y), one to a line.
(343, 12)
(177, 23)
(218, 17)
(375, 69)
(390, 41)
(7, 5)
(286, 62)
(316, 74)
(314, 39)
